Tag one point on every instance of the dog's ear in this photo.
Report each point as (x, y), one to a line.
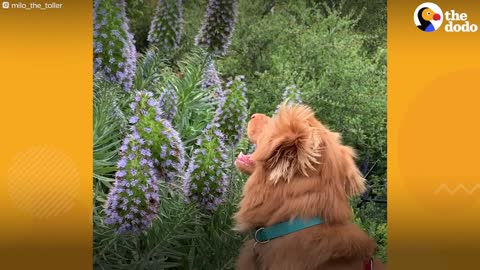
(338, 165)
(289, 145)
(354, 182)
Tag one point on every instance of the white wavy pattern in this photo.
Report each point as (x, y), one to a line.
(457, 189)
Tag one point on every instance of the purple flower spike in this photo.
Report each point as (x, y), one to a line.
(167, 25)
(128, 195)
(152, 151)
(211, 80)
(167, 148)
(291, 95)
(218, 26)
(114, 49)
(167, 105)
(232, 115)
(205, 180)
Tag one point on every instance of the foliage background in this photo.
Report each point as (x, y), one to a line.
(335, 52)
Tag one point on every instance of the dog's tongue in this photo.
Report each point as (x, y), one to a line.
(244, 158)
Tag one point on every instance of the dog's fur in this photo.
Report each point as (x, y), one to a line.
(300, 169)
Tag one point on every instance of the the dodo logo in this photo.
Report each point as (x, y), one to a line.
(428, 17)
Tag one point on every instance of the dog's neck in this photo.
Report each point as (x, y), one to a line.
(266, 203)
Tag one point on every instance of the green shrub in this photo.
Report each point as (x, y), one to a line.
(322, 54)
(108, 123)
(140, 14)
(337, 57)
(371, 218)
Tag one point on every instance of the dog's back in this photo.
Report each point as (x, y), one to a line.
(320, 247)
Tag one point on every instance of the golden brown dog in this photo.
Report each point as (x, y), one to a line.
(300, 169)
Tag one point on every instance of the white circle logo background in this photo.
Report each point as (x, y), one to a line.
(435, 9)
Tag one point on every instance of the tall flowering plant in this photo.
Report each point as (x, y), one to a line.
(211, 79)
(133, 201)
(218, 26)
(113, 49)
(167, 148)
(167, 25)
(233, 115)
(291, 95)
(168, 103)
(152, 151)
(206, 180)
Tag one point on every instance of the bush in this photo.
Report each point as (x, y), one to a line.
(108, 124)
(326, 50)
(140, 13)
(319, 51)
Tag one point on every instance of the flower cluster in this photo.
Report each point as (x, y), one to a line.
(133, 201)
(168, 103)
(291, 95)
(233, 114)
(218, 26)
(211, 80)
(114, 50)
(167, 148)
(152, 151)
(205, 179)
(167, 24)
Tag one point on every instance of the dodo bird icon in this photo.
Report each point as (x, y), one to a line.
(425, 16)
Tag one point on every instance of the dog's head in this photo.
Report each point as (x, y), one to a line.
(294, 143)
(256, 126)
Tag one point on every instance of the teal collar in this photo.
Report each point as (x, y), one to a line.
(265, 234)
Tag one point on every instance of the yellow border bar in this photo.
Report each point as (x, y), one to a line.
(46, 137)
(433, 141)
